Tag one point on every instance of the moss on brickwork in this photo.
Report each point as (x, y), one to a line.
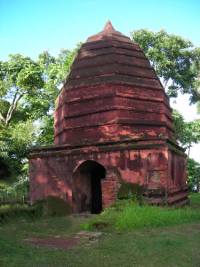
(130, 191)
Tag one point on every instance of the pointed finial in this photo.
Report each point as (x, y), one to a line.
(108, 27)
(108, 32)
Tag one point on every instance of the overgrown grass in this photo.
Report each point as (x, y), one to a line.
(52, 206)
(174, 246)
(17, 211)
(129, 215)
(195, 200)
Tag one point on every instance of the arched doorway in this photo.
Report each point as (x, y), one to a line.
(86, 191)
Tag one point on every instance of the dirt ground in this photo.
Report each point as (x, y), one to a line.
(65, 243)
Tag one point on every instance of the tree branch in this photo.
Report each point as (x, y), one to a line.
(189, 147)
(165, 83)
(13, 106)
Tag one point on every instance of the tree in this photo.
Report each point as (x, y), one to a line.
(55, 71)
(45, 135)
(28, 90)
(194, 175)
(187, 133)
(175, 60)
(20, 76)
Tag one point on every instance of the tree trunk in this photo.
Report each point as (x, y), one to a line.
(189, 147)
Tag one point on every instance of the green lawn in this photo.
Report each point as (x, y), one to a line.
(151, 245)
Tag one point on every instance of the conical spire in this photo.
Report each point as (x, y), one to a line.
(108, 27)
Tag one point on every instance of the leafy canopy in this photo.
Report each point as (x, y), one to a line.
(175, 60)
(194, 175)
(28, 89)
(187, 133)
(20, 76)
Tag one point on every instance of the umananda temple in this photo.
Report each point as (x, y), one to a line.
(112, 125)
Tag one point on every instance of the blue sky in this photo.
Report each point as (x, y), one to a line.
(31, 26)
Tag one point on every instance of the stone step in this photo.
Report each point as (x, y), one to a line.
(154, 201)
(177, 197)
(177, 190)
(181, 203)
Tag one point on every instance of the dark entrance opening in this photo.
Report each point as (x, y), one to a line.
(87, 194)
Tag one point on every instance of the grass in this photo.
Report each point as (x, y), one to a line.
(195, 200)
(174, 243)
(130, 216)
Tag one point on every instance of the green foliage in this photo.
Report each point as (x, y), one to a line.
(14, 191)
(46, 131)
(28, 90)
(15, 212)
(175, 60)
(4, 148)
(179, 124)
(187, 133)
(16, 139)
(192, 129)
(54, 70)
(52, 206)
(4, 106)
(193, 175)
(23, 134)
(20, 76)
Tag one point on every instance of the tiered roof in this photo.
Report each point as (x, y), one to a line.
(111, 94)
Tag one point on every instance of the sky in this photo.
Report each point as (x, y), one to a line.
(29, 27)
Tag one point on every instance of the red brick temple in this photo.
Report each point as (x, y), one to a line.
(113, 125)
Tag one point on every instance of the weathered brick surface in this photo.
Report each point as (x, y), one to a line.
(112, 112)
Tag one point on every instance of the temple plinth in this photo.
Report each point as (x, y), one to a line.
(113, 125)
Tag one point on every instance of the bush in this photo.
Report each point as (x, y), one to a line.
(10, 212)
(52, 206)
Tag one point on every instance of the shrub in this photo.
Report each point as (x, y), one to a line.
(52, 206)
(10, 212)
